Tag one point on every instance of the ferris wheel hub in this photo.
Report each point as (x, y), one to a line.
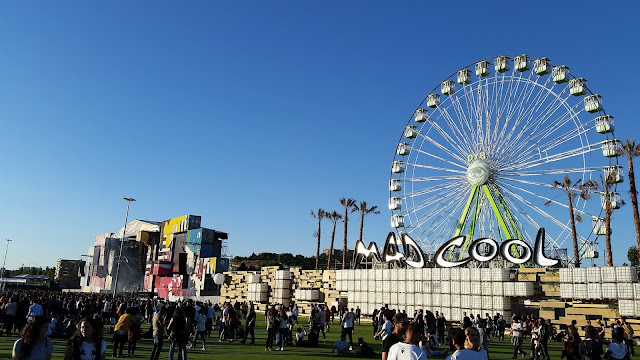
(478, 173)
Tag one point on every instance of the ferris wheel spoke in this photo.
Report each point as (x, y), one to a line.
(461, 137)
(551, 241)
(559, 171)
(551, 126)
(432, 178)
(453, 171)
(443, 206)
(551, 158)
(438, 188)
(434, 223)
(458, 165)
(537, 195)
(452, 142)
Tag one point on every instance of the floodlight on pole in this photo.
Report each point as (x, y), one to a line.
(4, 262)
(124, 231)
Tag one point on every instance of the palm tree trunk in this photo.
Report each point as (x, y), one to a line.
(634, 202)
(318, 247)
(576, 252)
(344, 245)
(361, 223)
(607, 223)
(333, 236)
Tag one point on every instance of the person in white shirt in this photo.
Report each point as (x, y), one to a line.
(348, 317)
(408, 350)
(458, 339)
(387, 327)
(517, 333)
(34, 310)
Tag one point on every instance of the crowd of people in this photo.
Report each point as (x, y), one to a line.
(88, 321)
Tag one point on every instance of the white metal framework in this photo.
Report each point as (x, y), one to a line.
(479, 154)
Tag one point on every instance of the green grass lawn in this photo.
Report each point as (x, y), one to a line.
(235, 350)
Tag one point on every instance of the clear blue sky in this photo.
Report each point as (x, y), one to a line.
(252, 113)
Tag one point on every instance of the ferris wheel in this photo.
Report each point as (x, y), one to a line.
(478, 156)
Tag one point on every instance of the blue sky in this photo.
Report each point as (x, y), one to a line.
(252, 113)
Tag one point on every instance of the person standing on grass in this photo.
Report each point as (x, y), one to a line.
(201, 328)
(251, 325)
(178, 332)
(347, 324)
(322, 322)
(409, 350)
(87, 342)
(272, 327)
(157, 323)
(517, 334)
(33, 344)
(120, 334)
(543, 340)
(400, 323)
(590, 348)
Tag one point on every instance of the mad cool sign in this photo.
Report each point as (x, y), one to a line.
(413, 256)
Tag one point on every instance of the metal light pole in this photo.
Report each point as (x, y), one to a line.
(124, 231)
(5, 262)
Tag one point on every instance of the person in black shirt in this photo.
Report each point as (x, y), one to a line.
(400, 324)
(251, 325)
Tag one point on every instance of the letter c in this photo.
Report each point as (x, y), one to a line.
(439, 256)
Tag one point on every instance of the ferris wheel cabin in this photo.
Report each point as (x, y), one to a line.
(560, 74)
(421, 115)
(522, 62)
(598, 226)
(613, 173)
(395, 185)
(593, 103)
(447, 87)
(578, 86)
(403, 149)
(501, 64)
(398, 166)
(410, 132)
(611, 148)
(482, 68)
(433, 100)
(464, 76)
(613, 198)
(397, 221)
(604, 124)
(395, 203)
(542, 66)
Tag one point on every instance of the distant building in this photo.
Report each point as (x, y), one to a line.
(176, 258)
(68, 273)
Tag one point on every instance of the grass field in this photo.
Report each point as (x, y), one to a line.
(235, 350)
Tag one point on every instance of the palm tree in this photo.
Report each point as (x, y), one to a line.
(348, 204)
(608, 210)
(319, 215)
(334, 217)
(573, 190)
(631, 150)
(364, 211)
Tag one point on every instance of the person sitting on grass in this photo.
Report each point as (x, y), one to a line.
(342, 347)
(299, 340)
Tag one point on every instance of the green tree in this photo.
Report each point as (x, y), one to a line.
(632, 255)
(348, 204)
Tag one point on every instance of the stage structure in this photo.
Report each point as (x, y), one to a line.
(477, 159)
(176, 258)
